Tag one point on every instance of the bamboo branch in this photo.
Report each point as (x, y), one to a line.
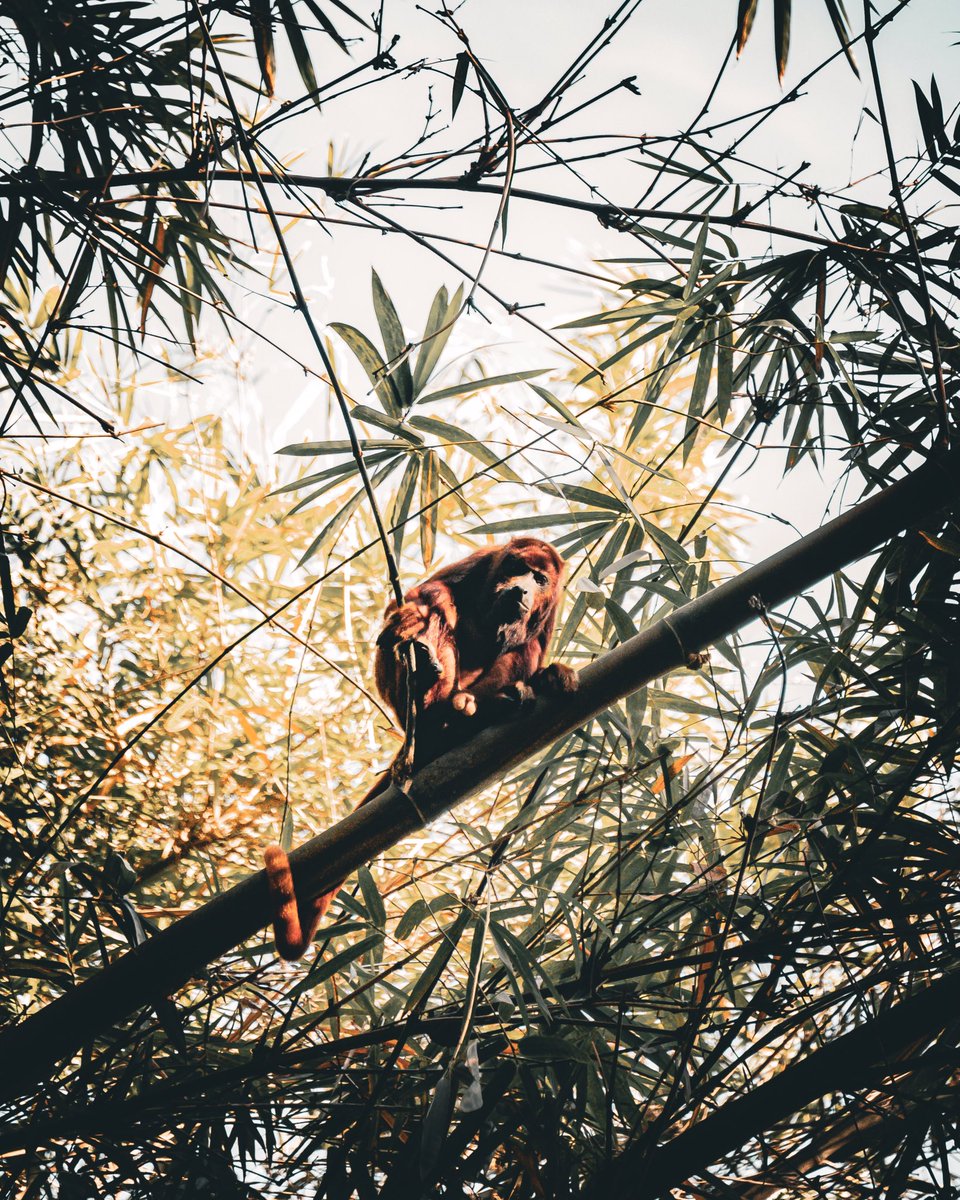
(165, 962)
(342, 188)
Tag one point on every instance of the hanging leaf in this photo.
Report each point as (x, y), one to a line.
(459, 79)
(439, 327)
(298, 46)
(429, 491)
(781, 33)
(458, 439)
(838, 17)
(745, 16)
(468, 386)
(394, 343)
(374, 366)
(261, 24)
(403, 502)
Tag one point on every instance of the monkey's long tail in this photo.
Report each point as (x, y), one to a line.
(296, 922)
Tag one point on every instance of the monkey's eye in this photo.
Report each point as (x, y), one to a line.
(541, 579)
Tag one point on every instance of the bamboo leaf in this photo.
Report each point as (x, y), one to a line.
(781, 33)
(459, 79)
(298, 46)
(459, 439)
(838, 18)
(327, 25)
(403, 502)
(429, 491)
(369, 358)
(261, 23)
(468, 386)
(745, 15)
(435, 336)
(394, 343)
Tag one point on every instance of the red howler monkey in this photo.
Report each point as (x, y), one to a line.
(479, 631)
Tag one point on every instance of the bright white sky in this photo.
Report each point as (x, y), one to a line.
(674, 48)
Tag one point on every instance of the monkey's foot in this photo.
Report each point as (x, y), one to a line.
(514, 696)
(465, 703)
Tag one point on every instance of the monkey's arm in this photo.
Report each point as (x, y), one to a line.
(425, 622)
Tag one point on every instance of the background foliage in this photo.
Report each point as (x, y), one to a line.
(709, 881)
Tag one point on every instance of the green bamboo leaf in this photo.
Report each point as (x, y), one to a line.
(298, 46)
(334, 526)
(545, 1048)
(745, 15)
(583, 495)
(838, 17)
(327, 25)
(341, 446)
(394, 343)
(436, 1122)
(370, 416)
(558, 406)
(724, 367)
(419, 910)
(369, 358)
(440, 322)
(403, 503)
(461, 440)
(459, 79)
(261, 24)
(423, 988)
(621, 621)
(781, 33)
(639, 313)
(333, 474)
(671, 548)
(525, 524)
(373, 901)
(627, 349)
(670, 166)
(429, 491)
(323, 969)
(453, 486)
(516, 957)
(696, 259)
(286, 829)
(469, 386)
(698, 394)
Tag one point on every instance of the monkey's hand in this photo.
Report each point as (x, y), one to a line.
(555, 680)
(420, 628)
(405, 624)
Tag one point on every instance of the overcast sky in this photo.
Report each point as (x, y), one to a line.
(674, 49)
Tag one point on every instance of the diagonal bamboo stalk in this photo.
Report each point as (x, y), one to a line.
(28, 1051)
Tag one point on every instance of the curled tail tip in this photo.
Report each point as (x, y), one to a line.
(275, 857)
(290, 951)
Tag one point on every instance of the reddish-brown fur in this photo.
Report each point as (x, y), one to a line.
(479, 629)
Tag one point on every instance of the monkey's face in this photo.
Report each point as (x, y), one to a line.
(524, 589)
